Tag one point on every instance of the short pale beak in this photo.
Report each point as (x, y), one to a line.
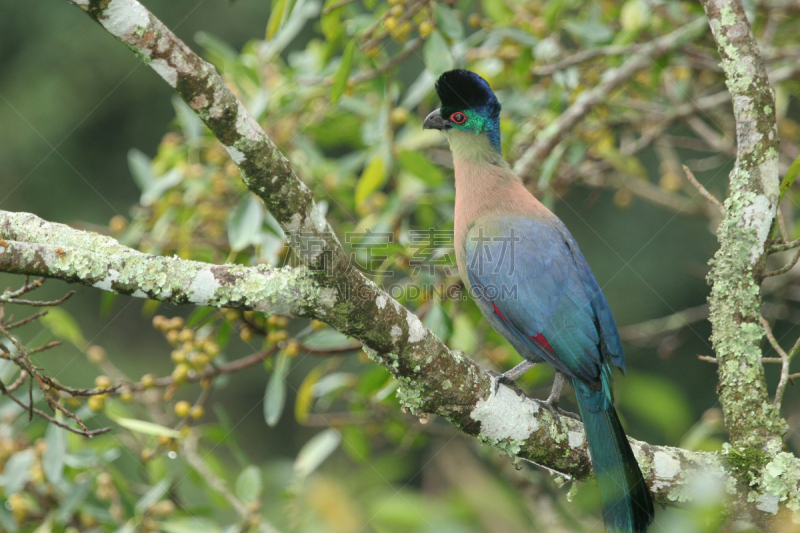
(434, 121)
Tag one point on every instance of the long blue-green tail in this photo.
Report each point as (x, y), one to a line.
(627, 507)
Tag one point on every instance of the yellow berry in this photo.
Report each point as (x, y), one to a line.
(474, 20)
(163, 440)
(390, 24)
(173, 337)
(199, 360)
(126, 396)
(163, 508)
(396, 11)
(147, 454)
(185, 335)
(148, 381)
(180, 373)
(176, 322)
(272, 320)
(96, 354)
(178, 356)
(96, 403)
(182, 408)
(160, 322)
(292, 348)
(117, 224)
(197, 412)
(211, 348)
(425, 29)
(277, 336)
(399, 116)
(317, 324)
(246, 334)
(102, 382)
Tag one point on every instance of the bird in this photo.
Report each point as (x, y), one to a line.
(533, 285)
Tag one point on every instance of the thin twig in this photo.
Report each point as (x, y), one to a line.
(786, 359)
(699, 186)
(86, 433)
(782, 247)
(785, 269)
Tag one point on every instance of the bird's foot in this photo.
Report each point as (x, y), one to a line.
(505, 379)
(552, 405)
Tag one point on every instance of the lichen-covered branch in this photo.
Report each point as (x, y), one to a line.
(29, 245)
(433, 379)
(754, 423)
(750, 211)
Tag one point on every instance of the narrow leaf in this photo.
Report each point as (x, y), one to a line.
(418, 164)
(305, 395)
(248, 484)
(371, 180)
(276, 17)
(139, 165)
(343, 74)
(53, 457)
(275, 395)
(147, 428)
(790, 177)
(436, 54)
(447, 21)
(244, 223)
(64, 326)
(154, 494)
(315, 451)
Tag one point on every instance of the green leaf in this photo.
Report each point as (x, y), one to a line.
(371, 180)
(436, 54)
(17, 471)
(276, 16)
(275, 395)
(248, 484)
(64, 326)
(420, 166)
(447, 21)
(438, 322)
(329, 339)
(356, 443)
(77, 495)
(218, 51)
(154, 494)
(315, 451)
(192, 524)
(790, 177)
(146, 428)
(244, 223)
(343, 73)
(305, 395)
(139, 165)
(53, 457)
(190, 123)
(498, 11)
(199, 315)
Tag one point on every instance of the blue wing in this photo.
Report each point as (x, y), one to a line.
(534, 285)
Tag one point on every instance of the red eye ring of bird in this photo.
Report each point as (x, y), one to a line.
(458, 117)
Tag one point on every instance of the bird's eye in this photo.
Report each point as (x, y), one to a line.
(458, 117)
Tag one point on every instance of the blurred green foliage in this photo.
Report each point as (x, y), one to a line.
(317, 441)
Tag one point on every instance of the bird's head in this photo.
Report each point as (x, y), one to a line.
(470, 112)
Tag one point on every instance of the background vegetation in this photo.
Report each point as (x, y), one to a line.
(317, 440)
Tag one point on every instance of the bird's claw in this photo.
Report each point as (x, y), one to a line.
(556, 411)
(498, 378)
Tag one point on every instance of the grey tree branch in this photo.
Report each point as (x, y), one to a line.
(754, 423)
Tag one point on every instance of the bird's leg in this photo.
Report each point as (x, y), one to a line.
(510, 376)
(551, 403)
